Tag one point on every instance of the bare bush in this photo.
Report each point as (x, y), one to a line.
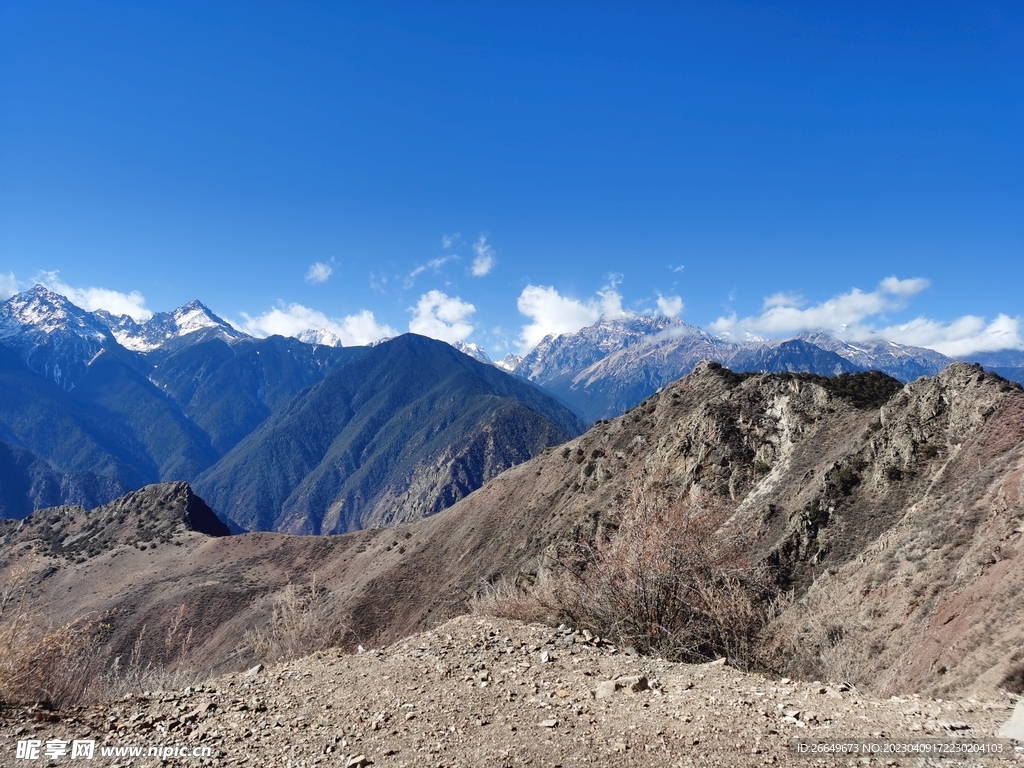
(300, 623)
(817, 638)
(41, 663)
(672, 579)
(538, 602)
(668, 577)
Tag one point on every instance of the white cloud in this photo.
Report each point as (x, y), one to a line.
(449, 241)
(854, 315)
(318, 272)
(964, 336)
(443, 317)
(8, 286)
(783, 299)
(552, 314)
(91, 299)
(434, 264)
(484, 261)
(670, 306)
(292, 319)
(783, 313)
(611, 300)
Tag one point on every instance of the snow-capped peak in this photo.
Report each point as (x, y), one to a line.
(41, 312)
(320, 337)
(55, 338)
(509, 362)
(473, 350)
(163, 327)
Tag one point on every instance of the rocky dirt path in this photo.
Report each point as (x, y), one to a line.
(491, 692)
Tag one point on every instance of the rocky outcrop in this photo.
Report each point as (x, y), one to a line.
(141, 519)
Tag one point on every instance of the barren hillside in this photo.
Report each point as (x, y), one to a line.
(894, 519)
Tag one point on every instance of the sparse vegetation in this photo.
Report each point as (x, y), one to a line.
(668, 578)
(1013, 680)
(300, 623)
(41, 664)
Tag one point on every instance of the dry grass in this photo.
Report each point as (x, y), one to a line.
(817, 638)
(39, 663)
(168, 664)
(536, 603)
(73, 663)
(300, 623)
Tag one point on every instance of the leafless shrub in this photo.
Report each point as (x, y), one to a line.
(817, 639)
(671, 579)
(667, 577)
(300, 623)
(41, 663)
(538, 602)
(1013, 680)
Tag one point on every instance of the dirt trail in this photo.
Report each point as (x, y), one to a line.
(491, 692)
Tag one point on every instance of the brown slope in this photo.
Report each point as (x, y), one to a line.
(863, 509)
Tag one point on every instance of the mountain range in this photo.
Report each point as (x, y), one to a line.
(93, 406)
(606, 368)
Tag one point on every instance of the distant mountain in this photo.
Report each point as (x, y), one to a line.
(509, 362)
(319, 337)
(84, 419)
(228, 389)
(557, 358)
(627, 375)
(193, 320)
(792, 356)
(51, 336)
(1009, 363)
(402, 432)
(75, 398)
(473, 350)
(606, 368)
(898, 360)
(27, 483)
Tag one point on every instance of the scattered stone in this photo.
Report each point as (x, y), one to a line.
(633, 684)
(412, 700)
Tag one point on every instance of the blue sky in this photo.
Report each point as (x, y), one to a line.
(493, 172)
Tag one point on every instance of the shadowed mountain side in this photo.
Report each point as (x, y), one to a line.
(27, 483)
(114, 424)
(230, 389)
(404, 431)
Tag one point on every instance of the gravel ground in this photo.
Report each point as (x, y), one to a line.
(491, 692)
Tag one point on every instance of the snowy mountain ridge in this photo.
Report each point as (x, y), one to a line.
(165, 327)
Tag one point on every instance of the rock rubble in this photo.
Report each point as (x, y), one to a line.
(478, 692)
